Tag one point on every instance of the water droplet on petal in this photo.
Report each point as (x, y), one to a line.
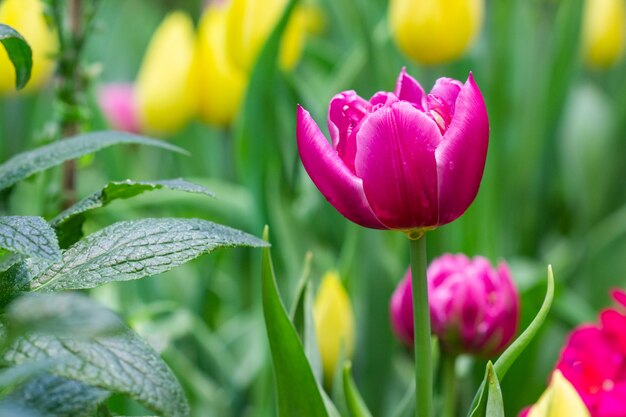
(451, 165)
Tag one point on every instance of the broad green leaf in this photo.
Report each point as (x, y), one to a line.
(504, 362)
(19, 53)
(495, 405)
(16, 375)
(10, 409)
(298, 393)
(59, 314)
(130, 250)
(122, 363)
(69, 223)
(354, 401)
(29, 236)
(25, 164)
(53, 396)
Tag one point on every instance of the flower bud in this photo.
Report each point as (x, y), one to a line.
(26, 16)
(334, 324)
(116, 101)
(474, 308)
(250, 23)
(221, 82)
(604, 31)
(559, 400)
(166, 89)
(435, 31)
(403, 160)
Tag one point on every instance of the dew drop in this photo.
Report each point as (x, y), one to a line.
(451, 165)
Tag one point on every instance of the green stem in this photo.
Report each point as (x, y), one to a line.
(448, 364)
(421, 326)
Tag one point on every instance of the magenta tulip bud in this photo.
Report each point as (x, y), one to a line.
(403, 160)
(116, 102)
(474, 307)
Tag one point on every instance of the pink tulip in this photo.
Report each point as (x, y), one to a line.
(594, 361)
(474, 307)
(403, 160)
(116, 100)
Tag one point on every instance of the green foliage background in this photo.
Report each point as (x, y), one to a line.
(553, 192)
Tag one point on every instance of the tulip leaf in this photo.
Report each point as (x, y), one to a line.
(25, 164)
(29, 236)
(128, 250)
(19, 52)
(122, 363)
(68, 224)
(504, 362)
(354, 401)
(495, 405)
(407, 404)
(298, 393)
(53, 396)
(255, 133)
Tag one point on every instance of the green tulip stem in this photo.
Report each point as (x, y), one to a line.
(448, 365)
(421, 327)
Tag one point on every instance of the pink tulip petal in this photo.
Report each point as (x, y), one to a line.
(345, 112)
(396, 161)
(447, 89)
(408, 89)
(116, 102)
(341, 188)
(462, 153)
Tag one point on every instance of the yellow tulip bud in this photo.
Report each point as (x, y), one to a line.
(435, 31)
(250, 22)
(559, 400)
(222, 83)
(167, 92)
(334, 324)
(604, 31)
(26, 16)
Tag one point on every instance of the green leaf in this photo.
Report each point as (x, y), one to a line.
(60, 314)
(10, 409)
(53, 396)
(131, 250)
(297, 390)
(25, 164)
(29, 236)
(19, 53)
(122, 363)
(504, 362)
(495, 405)
(255, 139)
(69, 223)
(16, 375)
(354, 401)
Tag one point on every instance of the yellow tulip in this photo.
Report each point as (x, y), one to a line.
(559, 400)
(435, 31)
(250, 22)
(26, 16)
(221, 82)
(167, 92)
(334, 324)
(604, 31)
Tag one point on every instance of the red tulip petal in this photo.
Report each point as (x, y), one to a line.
(396, 160)
(462, 153)
(328, 172)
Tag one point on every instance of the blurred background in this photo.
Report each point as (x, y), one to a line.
(553, 192)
